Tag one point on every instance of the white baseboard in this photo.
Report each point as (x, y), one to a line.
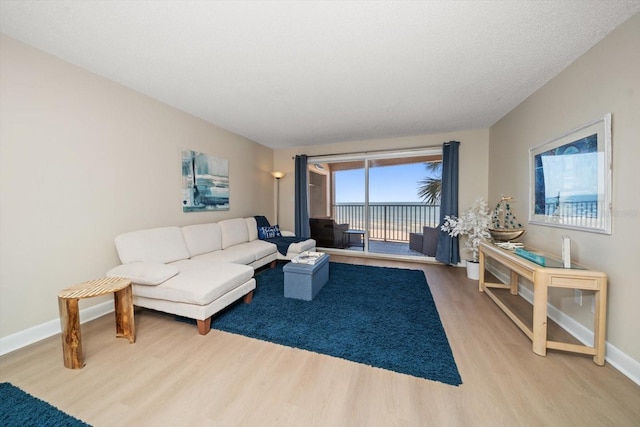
(617, 358)
(45, 330)
(613, 355)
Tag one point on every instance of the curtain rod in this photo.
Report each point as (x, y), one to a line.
(364, 153)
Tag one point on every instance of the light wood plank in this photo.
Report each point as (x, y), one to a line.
(174, 376)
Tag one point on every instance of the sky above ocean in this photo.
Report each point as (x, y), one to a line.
(387, 184)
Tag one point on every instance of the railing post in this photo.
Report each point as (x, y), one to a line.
(385, 222)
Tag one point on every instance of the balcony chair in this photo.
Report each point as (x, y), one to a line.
(327, 233)
(426, 242)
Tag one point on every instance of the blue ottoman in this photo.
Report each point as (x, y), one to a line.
(304, 281)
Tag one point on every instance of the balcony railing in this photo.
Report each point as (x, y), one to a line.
(388, 222)
(579, 214)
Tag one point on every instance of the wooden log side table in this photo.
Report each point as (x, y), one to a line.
(70, 314)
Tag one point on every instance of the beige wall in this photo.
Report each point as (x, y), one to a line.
(474, 161)
(83, 159)
(605, 79)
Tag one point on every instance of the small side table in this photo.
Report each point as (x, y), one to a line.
(70, 314)
(347, 240)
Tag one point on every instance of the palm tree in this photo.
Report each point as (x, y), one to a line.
(430, 188)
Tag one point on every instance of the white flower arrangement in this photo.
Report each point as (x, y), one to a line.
(474, 223)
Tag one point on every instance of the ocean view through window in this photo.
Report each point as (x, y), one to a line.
(385, 197)
(389, 221)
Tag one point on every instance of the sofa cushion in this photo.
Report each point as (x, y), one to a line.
(202, 238)
(233, 254)
(269, 232)
(260, 248)
(144, 273)
(234, 231)
(216, 257)
(240, 253)
(252, 228)
(163, 245)
(198, 283)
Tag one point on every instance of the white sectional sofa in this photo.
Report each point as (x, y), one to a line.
(197, 270)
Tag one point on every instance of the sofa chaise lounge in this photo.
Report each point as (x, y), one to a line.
(196, 270)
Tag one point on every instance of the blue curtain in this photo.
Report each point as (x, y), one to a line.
(301, 204)
(448, 248)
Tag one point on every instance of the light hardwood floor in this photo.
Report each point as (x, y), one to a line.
(174, 377)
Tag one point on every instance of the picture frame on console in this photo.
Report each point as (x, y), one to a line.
(570, 179)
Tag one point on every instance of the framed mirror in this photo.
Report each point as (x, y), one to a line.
(570, 179)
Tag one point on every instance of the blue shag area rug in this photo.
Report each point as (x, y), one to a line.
(382, 317)
(18, 408)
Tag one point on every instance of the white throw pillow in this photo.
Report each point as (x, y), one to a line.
(144, 273)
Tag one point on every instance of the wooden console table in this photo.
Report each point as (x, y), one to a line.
(544, 277)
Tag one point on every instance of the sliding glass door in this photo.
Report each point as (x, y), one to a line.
(336, 203)
(396, 207)
(375, 201)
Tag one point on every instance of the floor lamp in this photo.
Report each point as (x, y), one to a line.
(277, 175)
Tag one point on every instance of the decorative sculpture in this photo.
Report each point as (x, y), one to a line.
(504, 224)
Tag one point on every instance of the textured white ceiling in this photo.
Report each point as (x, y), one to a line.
(288, 73)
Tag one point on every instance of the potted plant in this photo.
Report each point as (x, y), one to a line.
(474, 224)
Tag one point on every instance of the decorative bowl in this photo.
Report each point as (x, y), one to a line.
(506, 234)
